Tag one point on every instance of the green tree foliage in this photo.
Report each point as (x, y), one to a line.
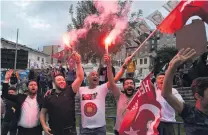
(164, 55)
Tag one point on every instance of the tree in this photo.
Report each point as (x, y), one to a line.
(92, 45)
(164, 55)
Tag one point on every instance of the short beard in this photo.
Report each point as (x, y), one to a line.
(30, 93)
(58, 88)
(127, 94)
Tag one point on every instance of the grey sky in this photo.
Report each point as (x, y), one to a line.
(44, 22)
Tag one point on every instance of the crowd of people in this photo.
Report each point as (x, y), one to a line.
(27, 113)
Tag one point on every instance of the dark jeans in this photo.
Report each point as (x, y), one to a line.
(66, 131)
(93, 131)
(8, 127)
(30, 131)
(165, 128)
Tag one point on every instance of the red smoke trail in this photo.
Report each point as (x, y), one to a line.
(108, 11)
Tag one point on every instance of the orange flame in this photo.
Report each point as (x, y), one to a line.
(108, 41)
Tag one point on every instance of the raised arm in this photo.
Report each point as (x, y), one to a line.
(122, 69)
(79, 73)
(179, 59)
(111, 83)
(5, 87)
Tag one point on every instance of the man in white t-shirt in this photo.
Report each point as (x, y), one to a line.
(167, 112)
(92, 99)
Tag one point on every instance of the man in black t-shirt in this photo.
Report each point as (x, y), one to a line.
(195, 118)
(60, 104)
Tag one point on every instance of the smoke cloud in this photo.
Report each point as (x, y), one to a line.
(108, 14)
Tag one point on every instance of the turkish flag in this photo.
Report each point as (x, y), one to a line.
(59, 55)
(182, 12)
(143, 112)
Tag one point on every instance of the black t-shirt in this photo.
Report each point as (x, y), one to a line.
(12, 110)
(61, 109)
(195, 122)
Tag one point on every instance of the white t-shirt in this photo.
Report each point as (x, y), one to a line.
(93, 106)
(167, 112)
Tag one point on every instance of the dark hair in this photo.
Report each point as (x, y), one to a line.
(12, 88)
(161, 73)
(128, 78)
(30, 82)
(59, 74)
(13, 78)
(199, 85)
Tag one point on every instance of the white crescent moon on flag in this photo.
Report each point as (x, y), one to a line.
(155, 111)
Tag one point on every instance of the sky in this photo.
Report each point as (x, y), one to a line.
(43, 23)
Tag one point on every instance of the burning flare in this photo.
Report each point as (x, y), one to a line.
(108, 41)
(66, 40)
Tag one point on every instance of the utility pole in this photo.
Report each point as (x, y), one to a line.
(15, 61)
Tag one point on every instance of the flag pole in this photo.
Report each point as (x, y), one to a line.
(143, 43)
(15, 61)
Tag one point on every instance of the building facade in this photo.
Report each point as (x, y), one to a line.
(36, 59)
(50, 50)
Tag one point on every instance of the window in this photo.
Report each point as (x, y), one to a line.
(145, 60)
(42, 60)
(153, 41)
(38, 58)
(141, 61)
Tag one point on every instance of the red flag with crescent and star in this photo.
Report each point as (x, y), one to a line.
(143, 112)
(182, 12)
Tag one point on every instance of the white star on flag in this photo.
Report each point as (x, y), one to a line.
(131, 131)
(185, 4)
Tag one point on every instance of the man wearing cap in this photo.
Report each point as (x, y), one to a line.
(9, 123)
(28, 107)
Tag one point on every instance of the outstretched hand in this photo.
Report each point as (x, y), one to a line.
(8, 75)
(107, 59)
(183, 55)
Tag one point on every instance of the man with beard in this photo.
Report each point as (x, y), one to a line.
(123, 100)
(92, 99)
(28, 108)
(60, 104)
(167, 112)
(195, 118)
